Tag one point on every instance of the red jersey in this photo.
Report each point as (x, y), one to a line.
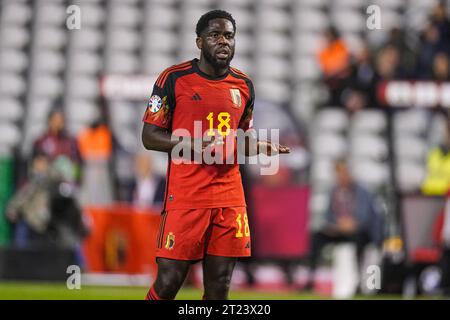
(183, 94)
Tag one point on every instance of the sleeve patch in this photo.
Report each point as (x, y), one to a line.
(155, 103)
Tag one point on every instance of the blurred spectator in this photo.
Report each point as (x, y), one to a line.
(440, 19)
(95, 143)
(148, 188)
(354, 100)
(441, 71)
(56, 142)
(335, 57)
(363, 72)
(360, 85)
(387, 64)
(29, 209)
(437, 180)
(352, 216)
(334, 60)
(45, 211)
(429, 46)
(435, 38)
(399, 40)
(66, 227)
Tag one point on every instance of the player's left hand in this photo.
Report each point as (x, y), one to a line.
(270, 148)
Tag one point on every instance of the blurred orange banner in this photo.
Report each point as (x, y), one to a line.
(122, 240)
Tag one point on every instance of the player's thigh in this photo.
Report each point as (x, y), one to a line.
(182, 234)
(218, 270)
(172, 270)
(170, 278)
(230, 233)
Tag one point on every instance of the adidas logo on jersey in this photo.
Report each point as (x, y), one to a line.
(196, 97)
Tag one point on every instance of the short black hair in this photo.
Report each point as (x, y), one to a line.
(203, 22)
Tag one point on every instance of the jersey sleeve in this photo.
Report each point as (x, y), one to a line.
(161, 104)
(246, 121)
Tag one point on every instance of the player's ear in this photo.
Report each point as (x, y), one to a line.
(199, 42)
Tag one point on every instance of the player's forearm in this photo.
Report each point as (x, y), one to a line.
(254, 147)
(158, 140)
(251, 147)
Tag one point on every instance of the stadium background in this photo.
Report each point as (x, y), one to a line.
(346, 106)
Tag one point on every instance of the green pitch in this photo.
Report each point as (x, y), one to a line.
(49, 291)
(52, 291)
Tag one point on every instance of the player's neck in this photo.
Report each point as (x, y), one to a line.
(208, 69)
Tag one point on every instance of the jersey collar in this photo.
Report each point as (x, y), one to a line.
(204, 75)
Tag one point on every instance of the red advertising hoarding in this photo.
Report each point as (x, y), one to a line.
(122, 240)
(280, 221)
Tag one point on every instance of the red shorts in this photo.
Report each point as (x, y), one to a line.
(190, 234)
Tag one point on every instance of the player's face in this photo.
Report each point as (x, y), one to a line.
(218, 43)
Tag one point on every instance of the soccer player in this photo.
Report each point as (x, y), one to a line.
(204, 215)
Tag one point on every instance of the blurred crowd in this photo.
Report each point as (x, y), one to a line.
(352, 79)
(68, 173)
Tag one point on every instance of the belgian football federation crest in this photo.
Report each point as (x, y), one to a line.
(170, 241)
(116, 250)
(236, 97)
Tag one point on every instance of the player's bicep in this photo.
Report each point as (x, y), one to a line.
(158, 111)
(246, 121)
(151, 129)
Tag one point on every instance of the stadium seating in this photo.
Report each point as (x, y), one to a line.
(360, 139)
(13, 60)
(332, 120)
(11, 109)
(127, 37)
(86, 38)
(41, 61)
(369, 121)
(411, 146)
(13, 36)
